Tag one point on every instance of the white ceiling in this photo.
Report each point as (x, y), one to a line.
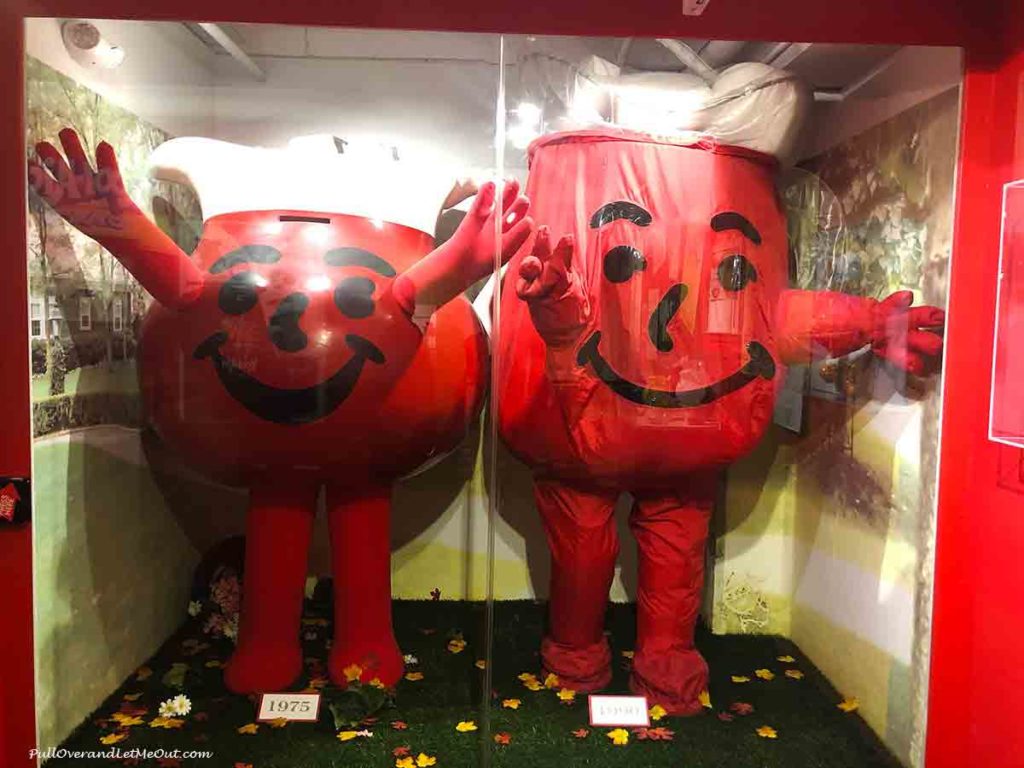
(825, 66)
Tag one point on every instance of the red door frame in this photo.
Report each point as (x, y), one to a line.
(961, 618)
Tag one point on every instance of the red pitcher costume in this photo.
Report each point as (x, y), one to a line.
(641, 348)
(325, 345)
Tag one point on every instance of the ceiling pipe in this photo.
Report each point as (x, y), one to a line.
(624, 46)
(789, 54)
(233, 49)
(690, 60)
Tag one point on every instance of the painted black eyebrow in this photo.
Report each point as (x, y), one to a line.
(620, 209)
(722, 222)
(258, 254)
(357, 257)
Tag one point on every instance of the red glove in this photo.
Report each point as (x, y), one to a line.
(817, 324)
(96, 204)
(553, 290)
(469, 254)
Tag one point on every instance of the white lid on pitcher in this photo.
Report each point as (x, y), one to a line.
(319, 174)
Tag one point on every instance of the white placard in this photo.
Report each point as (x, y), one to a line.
(302, 707)
(628, 711)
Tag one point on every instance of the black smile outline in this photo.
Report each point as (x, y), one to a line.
(760, 365)
(289, 406)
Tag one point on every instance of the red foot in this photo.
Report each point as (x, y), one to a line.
(382, 661)
(583, 669)
(257, 667)
(674, 679)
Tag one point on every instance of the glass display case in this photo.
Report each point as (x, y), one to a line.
(395, 392)
(1007, 415)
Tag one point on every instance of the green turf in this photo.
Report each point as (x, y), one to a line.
(812, 732)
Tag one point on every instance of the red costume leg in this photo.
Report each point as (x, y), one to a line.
(361, 561)
(278, 529)
(671, 530)
(584, 544)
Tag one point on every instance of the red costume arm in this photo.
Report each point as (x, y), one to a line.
(96, 203)
(469, 254)
(553, 290)
(817, 324)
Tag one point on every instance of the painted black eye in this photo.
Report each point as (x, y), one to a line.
(238, 294)
(354, 297)
(621, 262)
(735, 272)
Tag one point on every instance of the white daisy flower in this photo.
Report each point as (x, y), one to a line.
(410, 659)
(195, 607)
(365, 734)
(181, 704)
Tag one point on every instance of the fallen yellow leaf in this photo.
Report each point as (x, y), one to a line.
(628, 654)
(425, 761)
(465, 726)
(113, 738)
(456, 645)
(551, 681)
(126, 721)
(376, 683)
(412, 677)
(352, 672)
(567, 695)
(705, 699)
(249, 729)
(765, 674)
(347, 735)
(511, 703)
(619, 737)
(166, 722)
(796, 674)
(405, 762)
(786, 659)
(849, 704)
(740, 679)
(481, 664)
(657, 712)
(278, 722)
(527, 676)
(533, 685)
(767, 732)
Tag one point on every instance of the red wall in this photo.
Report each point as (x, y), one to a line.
(979, 591)
(980, 587)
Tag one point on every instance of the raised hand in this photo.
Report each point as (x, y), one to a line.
(554, 291)
(469, 254)
(545, 272)
(95, 202)
(817, 324)
(898, 335)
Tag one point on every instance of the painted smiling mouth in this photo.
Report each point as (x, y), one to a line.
(760, 365)
(289, 406)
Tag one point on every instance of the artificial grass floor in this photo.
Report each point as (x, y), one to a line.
(811, 731)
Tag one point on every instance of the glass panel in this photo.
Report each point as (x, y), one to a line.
(257, 445)
(721, 354)
(1007, 424)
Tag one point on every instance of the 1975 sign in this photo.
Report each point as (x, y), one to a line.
(301, 707)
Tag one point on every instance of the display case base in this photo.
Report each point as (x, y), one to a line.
(543, 731)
